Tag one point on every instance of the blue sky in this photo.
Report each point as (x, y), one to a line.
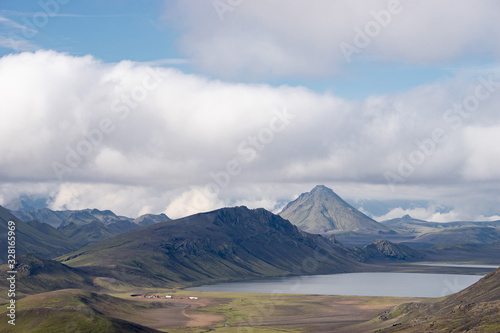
(144, 31)
(109, 30)
(191, 88)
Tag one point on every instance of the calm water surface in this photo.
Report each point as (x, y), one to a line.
(354, 284)
(459, 265)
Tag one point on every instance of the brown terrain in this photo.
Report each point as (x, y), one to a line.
(179, 312)
(309, 313)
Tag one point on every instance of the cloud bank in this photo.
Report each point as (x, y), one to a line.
(318, 38)
(137, 138)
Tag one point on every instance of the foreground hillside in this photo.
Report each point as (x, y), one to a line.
(226, 244)
(73, 310)
(36, 275)
(474, 309)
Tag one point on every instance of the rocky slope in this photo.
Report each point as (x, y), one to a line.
(322, 211)
(226, 244)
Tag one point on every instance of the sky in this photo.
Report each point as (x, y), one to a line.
(187, 106)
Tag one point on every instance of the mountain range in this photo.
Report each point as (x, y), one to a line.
(94, 251)
(34, 237)
(76, 229)
(424, 234)
(226, 244)
(85, 216)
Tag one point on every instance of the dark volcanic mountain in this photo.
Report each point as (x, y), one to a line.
(226, 244)
(474, 309)
(383, 250)
(322, 211)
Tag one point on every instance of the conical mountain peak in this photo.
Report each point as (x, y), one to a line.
(322, 211)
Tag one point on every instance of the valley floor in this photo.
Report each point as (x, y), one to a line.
(235, 312)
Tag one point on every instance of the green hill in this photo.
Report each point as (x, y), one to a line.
(36, 275)
(73, 310)
(226, 244)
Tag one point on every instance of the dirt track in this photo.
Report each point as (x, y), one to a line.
(179, 312)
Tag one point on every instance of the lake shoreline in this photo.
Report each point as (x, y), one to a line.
(371, 284)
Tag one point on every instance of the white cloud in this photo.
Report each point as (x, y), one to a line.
(421, 213)
(152, 136)
(286, 38)
(195, 200)
(483, 150)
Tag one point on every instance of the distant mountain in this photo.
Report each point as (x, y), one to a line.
(466, 234)
(322, 211)
(407, 224)
(25, 202)
(85, 234)
(110, 225)
(45, 215)
(86, 216)
(383, 250)
(149, 219)
(87, 226)
(35, 237)
(226, 244)
(474, 309)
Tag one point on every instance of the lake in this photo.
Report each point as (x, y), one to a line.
(459, 265)
(353, 284)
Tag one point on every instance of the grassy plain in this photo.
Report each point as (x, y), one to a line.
(243, 312)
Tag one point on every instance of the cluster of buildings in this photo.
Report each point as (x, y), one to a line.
(166, 296)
